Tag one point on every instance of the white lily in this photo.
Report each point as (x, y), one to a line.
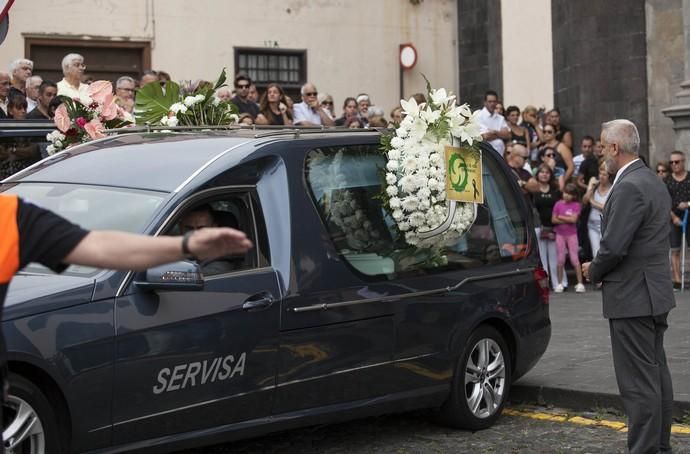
(410, 107)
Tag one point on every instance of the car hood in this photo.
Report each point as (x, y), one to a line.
(34, 293)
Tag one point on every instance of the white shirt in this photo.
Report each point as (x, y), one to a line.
(30, 105)
(3, 105)
(620, 172)
(493, 122)
(66, 89)
(577, 162)
(302, 112)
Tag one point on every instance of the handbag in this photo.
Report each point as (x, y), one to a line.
(547, 233)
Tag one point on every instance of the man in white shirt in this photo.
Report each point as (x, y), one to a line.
(73, 68)
(494, 128)
(309, 112)
(32, 85)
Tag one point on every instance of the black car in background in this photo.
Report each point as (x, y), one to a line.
(303, 329)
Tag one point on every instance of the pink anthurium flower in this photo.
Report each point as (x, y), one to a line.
(62, 120)
(94, 129)
(99, 90)
(109, 110)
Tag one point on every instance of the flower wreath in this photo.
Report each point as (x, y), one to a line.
(415, 181)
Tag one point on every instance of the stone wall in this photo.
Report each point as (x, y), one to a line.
(665, 60)
(600, 65)
(479, 49)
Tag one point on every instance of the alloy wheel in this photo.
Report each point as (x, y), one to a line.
(22, 430)
(485, 374)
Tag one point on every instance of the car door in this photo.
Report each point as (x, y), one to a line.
(337, 331)
(188, 360)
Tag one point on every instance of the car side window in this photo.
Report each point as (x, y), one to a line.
(235, 210)
(345, 185)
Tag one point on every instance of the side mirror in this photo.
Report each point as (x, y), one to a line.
(180, 276)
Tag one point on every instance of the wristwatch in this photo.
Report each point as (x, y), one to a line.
(185, 246)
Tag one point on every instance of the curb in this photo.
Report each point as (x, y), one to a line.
(578, 400)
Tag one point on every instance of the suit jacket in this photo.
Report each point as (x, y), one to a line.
(632, 262)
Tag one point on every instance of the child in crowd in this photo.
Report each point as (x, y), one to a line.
(564, 217)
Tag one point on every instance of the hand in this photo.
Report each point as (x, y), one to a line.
(682, 205)
(593, 181)
(585, 269)
(213, 242)
(676, 221)
(314, 104)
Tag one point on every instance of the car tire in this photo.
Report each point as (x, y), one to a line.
(481, 382)
(29, 422)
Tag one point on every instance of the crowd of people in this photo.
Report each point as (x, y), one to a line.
(568, 190)
(25, 95)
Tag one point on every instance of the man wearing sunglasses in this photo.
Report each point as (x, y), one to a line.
(309, 112)
(678, 184)
(241, 99)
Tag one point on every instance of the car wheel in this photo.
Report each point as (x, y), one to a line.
(29, 423)
(481, 382)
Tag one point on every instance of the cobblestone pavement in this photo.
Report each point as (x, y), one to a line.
(414, 433)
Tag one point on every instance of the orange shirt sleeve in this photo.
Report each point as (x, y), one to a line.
(9, 238)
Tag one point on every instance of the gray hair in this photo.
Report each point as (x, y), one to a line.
(303, 90)
(68, 59)
(623, 133)
(124, 79)
(32, 78)
(20, 61)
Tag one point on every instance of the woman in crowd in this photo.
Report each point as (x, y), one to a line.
(564, 217)
(563, 155)
(349, 114)
(18, 153)
(16, 107)
(273, 108)
(544, 199)
(663, 169)
(245, 119)
(597, 192)
(530, 121)
(326, 102)
(518, 134)
(563, 133)
(396, 116)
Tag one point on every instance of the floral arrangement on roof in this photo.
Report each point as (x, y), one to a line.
(85, 118)
(189, 104)
(415, 177)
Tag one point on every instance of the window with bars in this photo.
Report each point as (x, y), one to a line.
(264, 66)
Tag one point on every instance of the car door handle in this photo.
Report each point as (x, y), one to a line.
(258, 303)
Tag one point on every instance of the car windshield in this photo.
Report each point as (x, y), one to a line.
(92, 207)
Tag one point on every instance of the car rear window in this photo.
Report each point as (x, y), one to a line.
(345, 184)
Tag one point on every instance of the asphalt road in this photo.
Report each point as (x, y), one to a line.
(414, 433)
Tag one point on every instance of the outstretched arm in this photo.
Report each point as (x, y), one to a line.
(121, 250)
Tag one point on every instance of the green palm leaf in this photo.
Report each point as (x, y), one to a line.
(152, 103)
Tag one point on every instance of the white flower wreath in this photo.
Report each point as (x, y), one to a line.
(416, 170)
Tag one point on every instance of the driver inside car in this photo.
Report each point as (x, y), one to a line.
(203, 216)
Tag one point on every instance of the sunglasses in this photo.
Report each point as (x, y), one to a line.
(330, 103)
(676, 162)
(548, 131)
(311, 93)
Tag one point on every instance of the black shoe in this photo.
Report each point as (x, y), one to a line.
(676, 285)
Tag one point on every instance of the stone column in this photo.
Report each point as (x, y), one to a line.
(680, 111)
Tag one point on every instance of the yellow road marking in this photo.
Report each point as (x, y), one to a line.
(615, 425)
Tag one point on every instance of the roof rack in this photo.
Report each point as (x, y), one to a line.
(261, 130)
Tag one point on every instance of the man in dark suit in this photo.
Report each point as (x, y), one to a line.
(633, 267)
